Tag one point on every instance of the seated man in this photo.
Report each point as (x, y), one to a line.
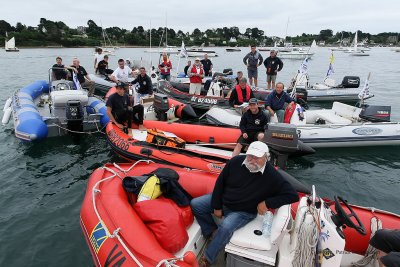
(120, 110)
(102, 67)
(247, 185)
(240, 94)
(59, 70)
(388, 243)
(252, 126)
(275, 102)
(121, 74)
(145, 84)
(82, 75)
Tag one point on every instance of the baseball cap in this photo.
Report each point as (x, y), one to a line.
(257, 149)
(253, 101)
(120, 84)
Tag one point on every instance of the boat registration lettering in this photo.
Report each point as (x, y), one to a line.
(118, 141)
(204, 100)
(367, 131)
(283, 136)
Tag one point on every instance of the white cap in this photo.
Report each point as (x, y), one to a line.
(257, 149)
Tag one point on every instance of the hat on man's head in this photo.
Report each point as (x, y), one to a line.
(257, 149)
(120, 85)
(253, 101)
(197, 59)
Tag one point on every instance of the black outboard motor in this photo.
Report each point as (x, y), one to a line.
(74, 114)
(301, 93)
(350, 82)
(376, 113)
(161, 106)
(283, 141)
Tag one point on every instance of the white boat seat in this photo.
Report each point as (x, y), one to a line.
(346, 111)
(329, 82)
(61, 98)
(331, 118)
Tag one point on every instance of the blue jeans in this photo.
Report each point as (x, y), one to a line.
(232, 221)
(166, 77)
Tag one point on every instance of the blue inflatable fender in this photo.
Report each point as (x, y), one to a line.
(98, 106)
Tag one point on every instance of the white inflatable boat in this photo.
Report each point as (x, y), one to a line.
(341, 126)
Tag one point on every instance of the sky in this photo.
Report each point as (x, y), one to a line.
(307, 16)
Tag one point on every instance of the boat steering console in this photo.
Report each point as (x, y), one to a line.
(342, 218)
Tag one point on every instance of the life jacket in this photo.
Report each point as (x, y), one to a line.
(165, 64)
(155, 136)
(290, 109)
(240, 95)
(196, 79)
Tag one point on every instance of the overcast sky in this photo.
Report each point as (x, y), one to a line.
(308, 16)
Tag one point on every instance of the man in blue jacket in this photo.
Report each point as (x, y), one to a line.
(275, 102)
(247, 185)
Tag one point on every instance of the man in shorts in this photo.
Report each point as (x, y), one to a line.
(273, 64)
(253, 60)
(252, 126)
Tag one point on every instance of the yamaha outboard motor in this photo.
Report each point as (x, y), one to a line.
(350, 82)
(74, 114)
(161, 106)
(301, 93)
(376, 113)
(283, 141)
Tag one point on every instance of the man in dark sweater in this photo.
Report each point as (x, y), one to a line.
(252, 126)
(275, 102)
(145, 84)
(273, 64)
(246, 186)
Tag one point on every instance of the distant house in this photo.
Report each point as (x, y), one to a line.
(233, 40)
(321, 43)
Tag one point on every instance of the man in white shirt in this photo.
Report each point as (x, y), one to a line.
(121, 74)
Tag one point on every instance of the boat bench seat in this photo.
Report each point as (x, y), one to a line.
(346, 111)
(331, 118)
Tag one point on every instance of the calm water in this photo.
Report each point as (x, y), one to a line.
(43, 184)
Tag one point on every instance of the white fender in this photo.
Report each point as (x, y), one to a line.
(6, 116)
(7, 104)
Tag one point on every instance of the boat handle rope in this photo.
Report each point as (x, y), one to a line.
(79, 132)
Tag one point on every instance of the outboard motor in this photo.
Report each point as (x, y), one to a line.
(161, 106)
(350, 82)
(301, 93)
(376, 113)
(74, 114)
(283, 141)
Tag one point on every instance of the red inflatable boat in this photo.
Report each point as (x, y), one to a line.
(121, 234)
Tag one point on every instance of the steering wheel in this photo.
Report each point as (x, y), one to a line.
(62, 86)
(345, 218)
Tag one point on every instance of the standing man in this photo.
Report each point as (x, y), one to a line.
(121, 112)
(59, 71)
(82, 76)
(196, 76)
(145, 84)
(253, 60)
(121, 74)
(207, 66)
(165, 68)
(247, 185)
(98, 56)
(275, 102)
(273, 64)
(252, 126)
(240, 94)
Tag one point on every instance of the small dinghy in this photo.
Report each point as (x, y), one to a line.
(120, 230)
(47, 109)
(341, 126)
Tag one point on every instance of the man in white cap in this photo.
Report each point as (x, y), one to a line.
(196, 75)
(247, 185)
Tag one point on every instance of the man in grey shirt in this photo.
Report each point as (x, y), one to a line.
(252, 60)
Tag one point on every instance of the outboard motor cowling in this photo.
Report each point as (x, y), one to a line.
(301, 93)
(161, 106)
(376, 113)
(74, 115)
(350, 82)
(283, 141)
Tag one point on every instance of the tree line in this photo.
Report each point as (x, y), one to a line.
(57, 33)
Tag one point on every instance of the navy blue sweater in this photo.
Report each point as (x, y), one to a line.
(253, 123)
(240, 190)
(275, 102)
